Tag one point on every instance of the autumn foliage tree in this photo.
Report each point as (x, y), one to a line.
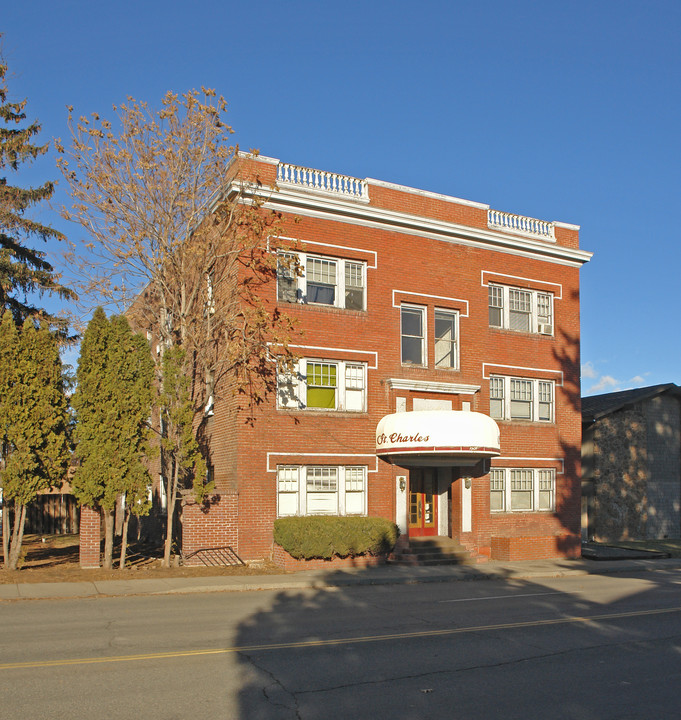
(113, 401)
(24, 271)
(34, 424)
(177, 241)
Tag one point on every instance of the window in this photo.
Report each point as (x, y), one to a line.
(496, 397)
(354, 490)
(287, 486)
(322, 280)
(446, 355)
(287, 285)
(496, 306)
(354, 285)
(323, 385)
(521, 310)
(521, 399)
(522, 489)
(354, 387)
(546, 489)
(497, 502)
(413, 339)
(321, 490)
(545, 406)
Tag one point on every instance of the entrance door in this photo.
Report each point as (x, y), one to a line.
(422, 502)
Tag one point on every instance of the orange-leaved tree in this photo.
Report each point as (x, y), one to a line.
(181, 243)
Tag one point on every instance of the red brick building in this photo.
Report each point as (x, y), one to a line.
(411, 302)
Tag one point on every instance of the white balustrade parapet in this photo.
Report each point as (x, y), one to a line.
(520, 225)
(323, 181)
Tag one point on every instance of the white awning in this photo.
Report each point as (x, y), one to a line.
(437, 438)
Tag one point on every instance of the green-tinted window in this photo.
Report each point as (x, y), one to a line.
(321, 385)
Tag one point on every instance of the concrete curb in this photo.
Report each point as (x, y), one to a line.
(330, 580)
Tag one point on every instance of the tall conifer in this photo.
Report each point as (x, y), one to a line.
(36, 425)
(93, 401)
(24, 271)
(112, 403)
(8, 351)
(132, 371)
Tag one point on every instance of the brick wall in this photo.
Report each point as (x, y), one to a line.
(534, 547)
(435, 274)
(209, 525)
(90, 537)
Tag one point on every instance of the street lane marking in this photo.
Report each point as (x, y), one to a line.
(499, 597)
(336, 641)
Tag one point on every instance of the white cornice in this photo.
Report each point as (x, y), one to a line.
(432, 386)
(401, 188)
(567, 226)
(300, 202)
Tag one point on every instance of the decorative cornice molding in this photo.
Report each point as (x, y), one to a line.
(300, 202)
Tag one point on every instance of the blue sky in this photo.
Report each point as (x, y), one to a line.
(564, 111)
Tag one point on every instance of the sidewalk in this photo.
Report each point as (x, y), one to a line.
(321, 579)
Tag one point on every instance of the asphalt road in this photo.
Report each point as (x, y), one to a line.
(583, 648)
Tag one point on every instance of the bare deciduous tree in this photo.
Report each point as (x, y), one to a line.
(178, 241)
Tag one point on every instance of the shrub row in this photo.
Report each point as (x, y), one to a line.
(325, 537)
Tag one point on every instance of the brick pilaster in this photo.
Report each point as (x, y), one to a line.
(90, 536)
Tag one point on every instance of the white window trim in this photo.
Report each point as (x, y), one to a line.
(299, 475)
(298, 380)
(455, 315)
(424, 334)
(301, 280)
(536, 327)
(535, 407)
(507, 491)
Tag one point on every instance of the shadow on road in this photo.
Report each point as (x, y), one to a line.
(501, 648)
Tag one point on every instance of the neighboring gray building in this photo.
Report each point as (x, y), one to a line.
(631, 464)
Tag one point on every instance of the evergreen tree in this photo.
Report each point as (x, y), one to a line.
(8, 350)
(35, 425)
(93, 401)
(24, 271)
(112, 403)
(133, 374)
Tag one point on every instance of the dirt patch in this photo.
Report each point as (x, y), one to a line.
(54, 558)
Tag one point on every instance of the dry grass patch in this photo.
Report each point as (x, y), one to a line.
(54, 558)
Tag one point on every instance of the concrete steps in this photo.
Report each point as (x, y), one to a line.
(428, 551)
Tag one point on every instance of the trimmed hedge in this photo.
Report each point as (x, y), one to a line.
(326, 537)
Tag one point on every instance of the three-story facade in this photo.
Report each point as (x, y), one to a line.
(410, 302)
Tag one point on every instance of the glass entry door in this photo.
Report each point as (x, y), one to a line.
(422, 502)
